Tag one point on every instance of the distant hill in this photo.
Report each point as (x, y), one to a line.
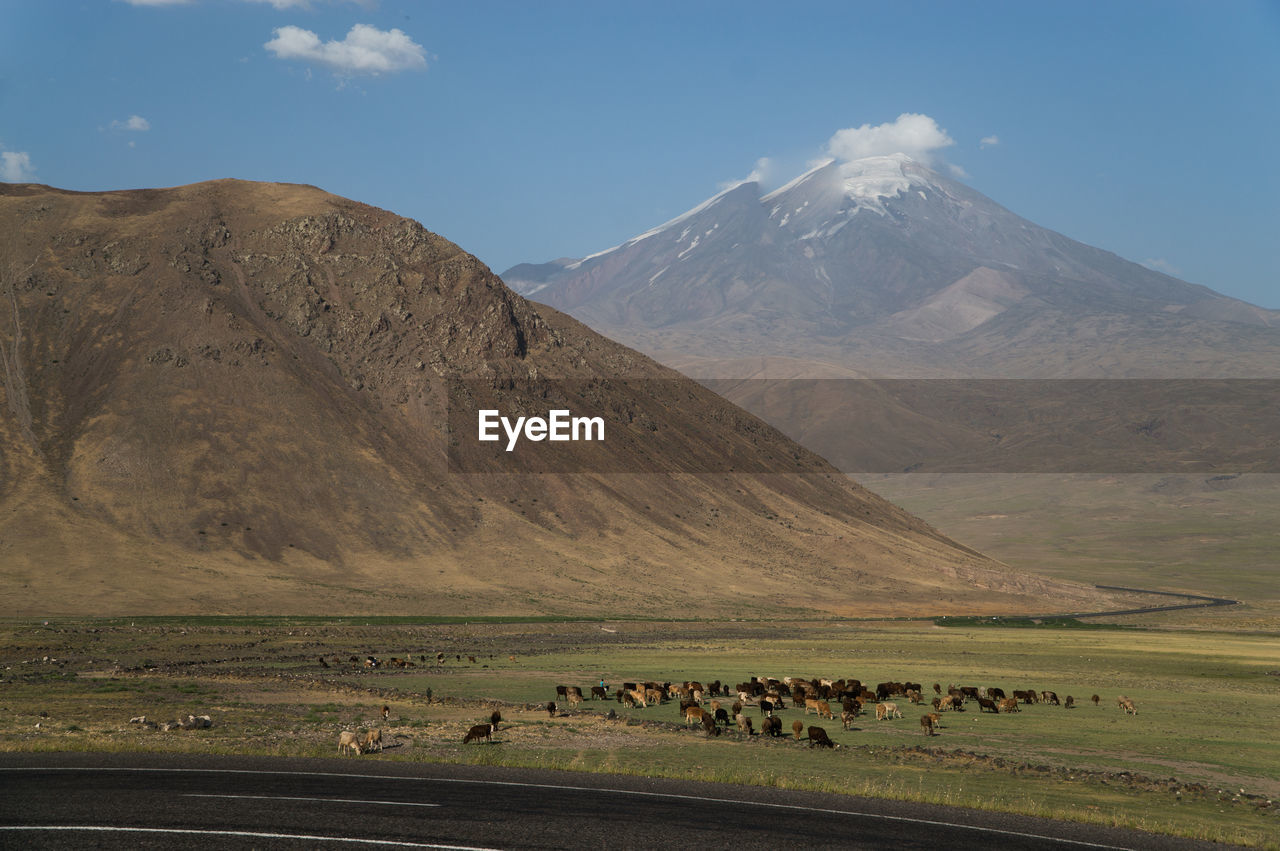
(231, 397)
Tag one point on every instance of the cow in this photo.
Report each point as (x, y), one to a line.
(562, 692)
(996, 693)
(1127, 705)
(887, 710)
(766, 707)
(637, 697)
(551, 709)
(478, 732)
(1008, 704)
(1069, 702)
(709, 725)
(846, 718)
(722, 717)
(1096, 699)
(386, 712)
(797, 727)
(818, 738)
(495, 718)
(652, 695)
(744, 725)
(771, 726)
(926, 725)
(937, 688)
(575, 698)
(348, 740)
(1050, 697)
(692, 714)
(599, 692)
(987, 704)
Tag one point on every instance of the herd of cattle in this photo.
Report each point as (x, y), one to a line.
(701, 704)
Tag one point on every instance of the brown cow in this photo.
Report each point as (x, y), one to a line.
(771, 726)
(744, 725)
(478, 732)
(1096, 698)
(372, 740)
(797, 727)
(988, 704)
(692, 714)
(847, 718)
(1009, 704)
(926, 725)
(1069, 702)
(818, 738)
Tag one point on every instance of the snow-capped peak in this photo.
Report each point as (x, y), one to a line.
(872, 178)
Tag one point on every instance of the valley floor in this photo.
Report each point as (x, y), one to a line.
(1198, 760)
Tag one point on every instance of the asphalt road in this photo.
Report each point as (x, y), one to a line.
(154, 801)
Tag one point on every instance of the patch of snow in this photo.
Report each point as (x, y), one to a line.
(692, 246)
(658, 274)
(793, 184)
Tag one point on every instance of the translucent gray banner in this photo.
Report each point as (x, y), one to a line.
(883, 426)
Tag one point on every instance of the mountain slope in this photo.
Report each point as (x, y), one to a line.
(233, 397)
(884, 266)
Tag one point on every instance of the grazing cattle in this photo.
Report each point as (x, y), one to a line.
(495, 718)
(1128, 706)
(811, 705)
(986, 703)
(692, 714)
(996, 693)
(846, 718)
(1008, 704)
(937, 688)
(937, 703)
(887, 710)
(1049, 697)
(766, 707)
(797, 727)
(478, 732)
(599, 692)
(913, 696)
(386, 712)
(926, 724)
(471, 659)
(951, 701)
(715, 704)
(824, 710)
(744, 725)
(1096, 698)
(737, 709)
(575, 698)
(818, 738)
(551, 709)
(652, 695)
(1026, 696)
(709, 725)
(771, 727)
(722, 717)
(637, 698)
(372, 740)
(1069, 702)
(969, 691)
(562, 691)
(348, 740)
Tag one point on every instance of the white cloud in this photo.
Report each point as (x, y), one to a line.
(760, 174)
(957, 171)
(157, 2)
(989, 141)
(286, 4)
(1159, 264)
(913, 134)
(136, 123)
(365, 50)
(15, 167)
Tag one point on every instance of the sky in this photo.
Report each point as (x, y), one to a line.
(527, 131)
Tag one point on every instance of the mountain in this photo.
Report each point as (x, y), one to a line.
(236, 397)
(882, 266)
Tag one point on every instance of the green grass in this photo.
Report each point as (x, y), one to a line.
(1206, 706)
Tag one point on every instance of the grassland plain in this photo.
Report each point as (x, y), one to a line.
(1199, 759)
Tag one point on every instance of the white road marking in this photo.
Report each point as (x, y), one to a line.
(325, 800)
(247, 833)
(561, 788)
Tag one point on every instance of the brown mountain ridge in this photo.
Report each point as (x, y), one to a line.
(231, 397)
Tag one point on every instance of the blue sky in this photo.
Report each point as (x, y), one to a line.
(525, 131)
